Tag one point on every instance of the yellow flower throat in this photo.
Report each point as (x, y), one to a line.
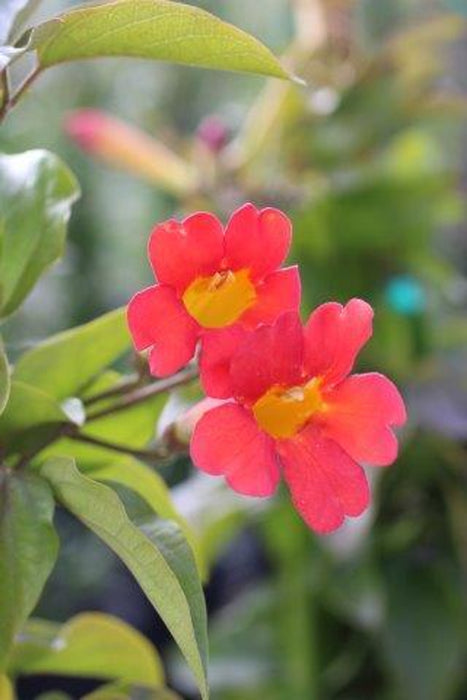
(282, 412)
(220, 299)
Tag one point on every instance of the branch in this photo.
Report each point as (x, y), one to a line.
(146, 392)
(157, 454)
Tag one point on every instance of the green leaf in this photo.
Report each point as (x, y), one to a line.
(28, 549)
(91, 644)
(147, 483)
(38, 191)
(157, 572)
(155, 29)
(4, 378)
(27, 410)
(64, 364)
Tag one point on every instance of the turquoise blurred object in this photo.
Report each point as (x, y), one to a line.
(405, 295)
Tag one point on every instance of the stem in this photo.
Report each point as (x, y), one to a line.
(146, 392)
(158, 454)
(122, 387)
(12, 101)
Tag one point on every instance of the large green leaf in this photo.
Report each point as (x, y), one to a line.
(147, 483)
(4, 378)
(38, 191)
(160, 574)
(90, 644)
(155, 29)
(28, 549)
(28, 413)
(65, 363)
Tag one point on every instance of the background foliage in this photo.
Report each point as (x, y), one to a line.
(369, 160)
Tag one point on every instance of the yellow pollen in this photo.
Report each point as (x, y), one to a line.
(283, 412)
(220, 299)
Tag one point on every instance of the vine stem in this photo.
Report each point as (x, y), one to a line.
(12, 101)
(72, 431)
(157, 454)
(142, 394)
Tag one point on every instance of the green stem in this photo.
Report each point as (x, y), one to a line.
(158, 455)
(12, 101)
(146, 392)
(290, 543)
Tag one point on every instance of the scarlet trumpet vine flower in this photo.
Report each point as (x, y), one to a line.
(213, 286)
(294, 407)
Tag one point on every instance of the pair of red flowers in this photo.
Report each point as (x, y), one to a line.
(289, 402)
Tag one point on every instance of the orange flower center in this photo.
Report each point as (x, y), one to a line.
(283, 412)
(220, 299)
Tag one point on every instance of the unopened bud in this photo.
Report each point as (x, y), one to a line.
(123, 146)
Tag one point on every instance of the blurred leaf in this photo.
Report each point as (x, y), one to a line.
(155, 29)
(28, 408)
(179, 602)
(147, 483)
(4, 378)
(8, 13)
(90, 644)
(28, 549)
(6, 689)
(26, 9)
(422, 637)
(38, 191)
(66, 362)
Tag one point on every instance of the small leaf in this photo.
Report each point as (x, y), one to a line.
(66, 362)
(42, 411)
(8, 12)
(4, 378)
(28, 549)
(155, 29)
(180, 603)
(91, 644)
(38, 191)
(147, 483)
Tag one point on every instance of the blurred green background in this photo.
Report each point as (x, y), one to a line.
(369, 159)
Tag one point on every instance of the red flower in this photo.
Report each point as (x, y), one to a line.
(213, 286)
(295, 407)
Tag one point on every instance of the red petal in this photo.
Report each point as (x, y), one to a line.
(156, 317)
(359, 414)
(270, 355)
(325, 483)
(278, 292)
(217, 350)
(227, 441)
(257, 240)
(180, 252)
(334, 336)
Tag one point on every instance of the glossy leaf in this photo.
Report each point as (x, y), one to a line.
(154, 29)
(28, 549)
(91, 644)
(147, 483)
(38, 191)
(4, 378)
(180, 603)
(65, 363)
